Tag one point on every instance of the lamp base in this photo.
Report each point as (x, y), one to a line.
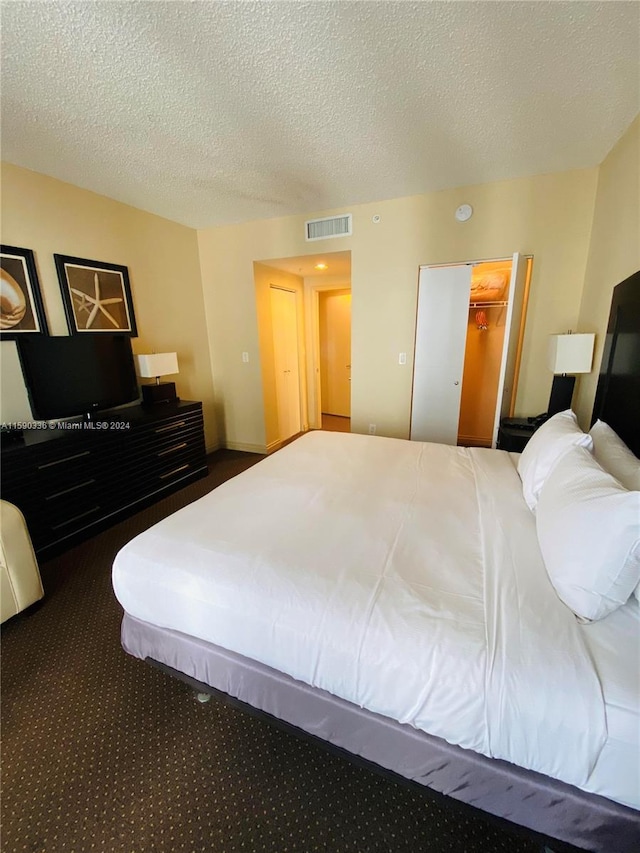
(164, 392)
(561, 394)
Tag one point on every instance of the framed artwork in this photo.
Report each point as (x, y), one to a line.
(21, 308)
(96, 296)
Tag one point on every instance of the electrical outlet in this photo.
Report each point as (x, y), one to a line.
(372, 429)
(245, 357)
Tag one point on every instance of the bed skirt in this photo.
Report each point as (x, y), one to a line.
(540, 803)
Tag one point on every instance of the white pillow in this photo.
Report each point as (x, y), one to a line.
(545, 447)
(616, 458)
(614, 455)
(589, 533)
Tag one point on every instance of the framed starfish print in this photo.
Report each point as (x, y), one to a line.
(97, 296)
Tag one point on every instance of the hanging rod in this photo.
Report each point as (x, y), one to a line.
(488, 305)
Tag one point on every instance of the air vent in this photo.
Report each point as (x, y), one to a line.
(330, 226)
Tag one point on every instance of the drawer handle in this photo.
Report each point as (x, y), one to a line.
(172, 449)
(175, 471)
(75, 518)
(171, 426)
(66, 459)
(72, 489)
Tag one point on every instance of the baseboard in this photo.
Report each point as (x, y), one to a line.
(261, 448)
(212, 448)
(282, 442)
(247, 448)
(474, 441)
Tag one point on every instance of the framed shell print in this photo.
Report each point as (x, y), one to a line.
(21, 307)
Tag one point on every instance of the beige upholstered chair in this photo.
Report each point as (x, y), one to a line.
(20, 583)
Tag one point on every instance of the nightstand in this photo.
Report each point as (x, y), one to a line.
(514, 433)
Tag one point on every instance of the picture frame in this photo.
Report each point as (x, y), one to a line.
(97, 296)
(21, 306)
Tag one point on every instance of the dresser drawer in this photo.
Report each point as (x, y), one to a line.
(72, 483)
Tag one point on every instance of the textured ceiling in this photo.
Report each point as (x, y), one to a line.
(218, 112)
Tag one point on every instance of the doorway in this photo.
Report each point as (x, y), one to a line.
(334, 332)
(302, 279)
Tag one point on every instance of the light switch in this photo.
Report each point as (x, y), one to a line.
(402, 359)
(245, 357)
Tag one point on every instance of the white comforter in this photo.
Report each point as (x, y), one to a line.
(401, 576)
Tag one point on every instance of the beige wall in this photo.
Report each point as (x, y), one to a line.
(548, 216)
(196, 292)
(47, 216)
(614, 251)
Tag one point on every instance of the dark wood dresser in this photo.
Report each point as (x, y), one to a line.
(73, 480)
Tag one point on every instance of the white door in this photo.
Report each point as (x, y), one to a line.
(284, 318)
(335, 353)
(510, 342)
(441, 333)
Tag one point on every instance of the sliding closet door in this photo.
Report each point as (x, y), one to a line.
(510, 344)
(441, 330)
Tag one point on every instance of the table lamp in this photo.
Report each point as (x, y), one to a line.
(155, 365)
(567, 355)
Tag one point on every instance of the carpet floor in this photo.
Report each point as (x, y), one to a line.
(102, 752)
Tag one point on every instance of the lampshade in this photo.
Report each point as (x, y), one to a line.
(157, 364)
(570, 353)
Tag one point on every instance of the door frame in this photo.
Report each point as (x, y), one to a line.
(299, 353)
(312, 312)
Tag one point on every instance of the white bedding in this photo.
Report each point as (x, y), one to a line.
(402, 576)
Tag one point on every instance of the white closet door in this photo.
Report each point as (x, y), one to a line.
(510, 343)
(284, 320)
(441, 333)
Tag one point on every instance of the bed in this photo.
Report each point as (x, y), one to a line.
(391, 599)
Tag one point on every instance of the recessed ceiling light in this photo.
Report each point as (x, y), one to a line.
(321, 267)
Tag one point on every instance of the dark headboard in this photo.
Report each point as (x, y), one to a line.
(617, 401)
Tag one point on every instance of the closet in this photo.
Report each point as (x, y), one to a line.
(469, 326)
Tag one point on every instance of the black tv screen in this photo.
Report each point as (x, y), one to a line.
(78, 374)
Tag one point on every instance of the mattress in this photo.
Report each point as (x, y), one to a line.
(614, 646)
(403, 577)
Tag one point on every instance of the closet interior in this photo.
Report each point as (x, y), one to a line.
(486, 324)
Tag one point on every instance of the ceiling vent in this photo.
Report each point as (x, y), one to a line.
(330, 226)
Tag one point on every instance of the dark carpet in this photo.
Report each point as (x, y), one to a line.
(102, 752)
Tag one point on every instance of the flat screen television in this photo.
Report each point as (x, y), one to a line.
(77, 374)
